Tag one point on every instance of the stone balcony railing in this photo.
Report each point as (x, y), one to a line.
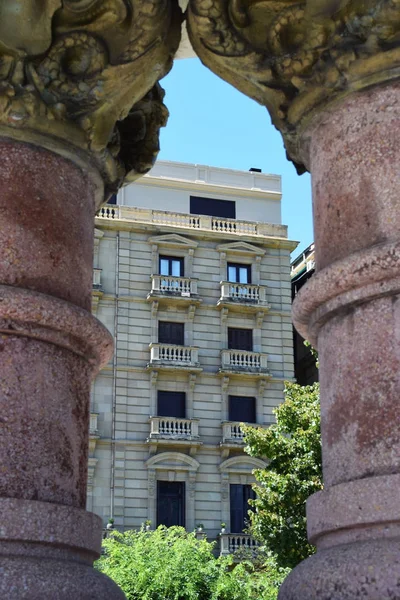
(96, 279)
(244, 361)
(230, 543)
(184, 287)
(232, 433)
(173, 428)
(196, 222)
(243, 292)
(173, 356)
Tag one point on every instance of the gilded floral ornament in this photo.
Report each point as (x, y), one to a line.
(294, 57)
(81, 76)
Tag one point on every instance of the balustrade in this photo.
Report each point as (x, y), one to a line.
(187, 221)
(173, 355)
(174, 428)
(244, 360)
(109, 212)
(231, 543)
(232, 432)
(181, 286)
(97, 278)
(93, 424)
(243, 292)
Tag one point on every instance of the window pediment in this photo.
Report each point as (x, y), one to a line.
(241, 465)
(172, 461)
(172, 240)
(241, 248)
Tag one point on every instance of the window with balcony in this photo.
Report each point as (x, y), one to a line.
(171, 404)
(212, 207)
(171, 266)
(240, 339)
(242, 409)
(238, 273)
(171, 333)
(171, 503)
(239, 505)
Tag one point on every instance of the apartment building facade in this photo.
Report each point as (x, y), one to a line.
(192, 277)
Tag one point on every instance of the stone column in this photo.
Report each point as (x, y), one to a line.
(74, 123)
(328, 76)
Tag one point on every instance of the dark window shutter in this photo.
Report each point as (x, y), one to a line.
(171, 503)
(242, 409)
(171, 404)
(212, 207)
(240, 339)
(239, 497)
(171, 333)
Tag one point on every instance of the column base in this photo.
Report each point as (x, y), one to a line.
(28, 578)
(369, 570)
(47, 551)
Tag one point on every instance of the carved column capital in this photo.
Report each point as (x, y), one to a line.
(79, 77)
(296, 57)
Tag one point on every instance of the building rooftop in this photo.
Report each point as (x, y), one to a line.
(217, 177)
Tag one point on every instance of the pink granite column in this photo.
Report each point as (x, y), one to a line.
(351, 311)
(50, 348)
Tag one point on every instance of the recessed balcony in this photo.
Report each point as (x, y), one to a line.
(231, 543)
(243, 362)
(243, 297)
(170, 356)
(174, 431)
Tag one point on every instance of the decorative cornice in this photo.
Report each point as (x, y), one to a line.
(82, 75)
(295, 57)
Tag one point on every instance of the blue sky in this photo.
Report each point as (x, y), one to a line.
(211, 123)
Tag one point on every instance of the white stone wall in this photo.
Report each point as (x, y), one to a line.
(169, 186)
(124, 393)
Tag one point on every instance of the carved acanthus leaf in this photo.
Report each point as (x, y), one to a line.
(294, 57)
(84, 73)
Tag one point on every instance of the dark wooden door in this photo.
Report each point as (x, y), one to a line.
(242, 408)
(171, 503)
(171, 333)
(239, 497)
(171, 404)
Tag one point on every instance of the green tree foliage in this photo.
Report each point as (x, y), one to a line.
(171, 564)
(293, 449)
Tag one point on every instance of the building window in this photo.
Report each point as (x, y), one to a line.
(240, 339)
(171, 333)
(212, 207)
(172, 266)
(112, 199)
(171, 503)
(242, 409)
(238, 273)
(171, 404)
(239, 498)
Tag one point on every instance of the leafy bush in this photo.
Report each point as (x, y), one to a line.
(171, 564)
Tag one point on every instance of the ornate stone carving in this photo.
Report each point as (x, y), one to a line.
(294, 56)
(81, 76)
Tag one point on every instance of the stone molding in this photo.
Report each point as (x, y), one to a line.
(296, 57)
(348, 510)
(367, 274)
(49, 319)
(83, 76)
(47, 523)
